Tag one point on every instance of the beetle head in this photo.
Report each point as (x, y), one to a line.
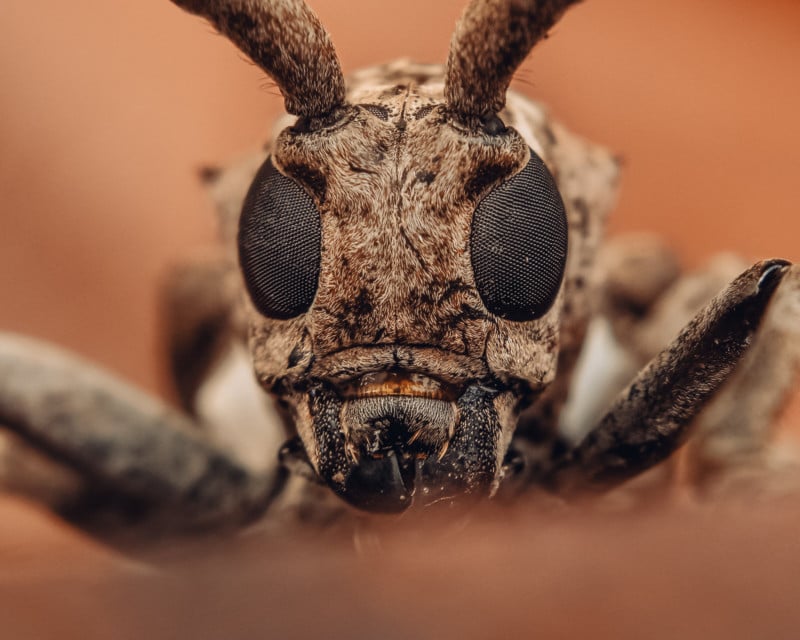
(404, 254)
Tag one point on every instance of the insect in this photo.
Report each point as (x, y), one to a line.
(413, 264)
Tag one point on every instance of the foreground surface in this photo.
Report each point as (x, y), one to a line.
(676, 570)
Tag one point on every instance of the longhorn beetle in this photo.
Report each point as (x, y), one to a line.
(412, 268)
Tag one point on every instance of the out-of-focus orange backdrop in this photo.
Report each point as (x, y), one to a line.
(107, 109)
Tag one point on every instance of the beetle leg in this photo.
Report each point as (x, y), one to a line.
(734, 431)
(196, 324)
(121, 439)
(677, 305)
(650, 418)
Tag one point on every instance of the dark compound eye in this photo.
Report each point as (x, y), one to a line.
(279, 244)
(518, 244)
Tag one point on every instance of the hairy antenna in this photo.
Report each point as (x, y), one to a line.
(491, 40)
(286, 40)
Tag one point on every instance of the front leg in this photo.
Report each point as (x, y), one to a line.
(125, 443)
(650, 419)
(734, 448)
(196, 324)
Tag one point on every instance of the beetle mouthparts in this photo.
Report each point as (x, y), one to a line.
(384, 383)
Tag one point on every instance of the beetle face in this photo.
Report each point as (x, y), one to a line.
(405, 284)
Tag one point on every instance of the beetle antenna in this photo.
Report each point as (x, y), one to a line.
(286, 40)
(491, 40)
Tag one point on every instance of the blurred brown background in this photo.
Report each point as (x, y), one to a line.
(107, 109)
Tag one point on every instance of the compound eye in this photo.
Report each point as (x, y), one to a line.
(518, 244)
(279, 245)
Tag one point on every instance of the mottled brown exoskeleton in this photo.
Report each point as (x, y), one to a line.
(412, 268)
